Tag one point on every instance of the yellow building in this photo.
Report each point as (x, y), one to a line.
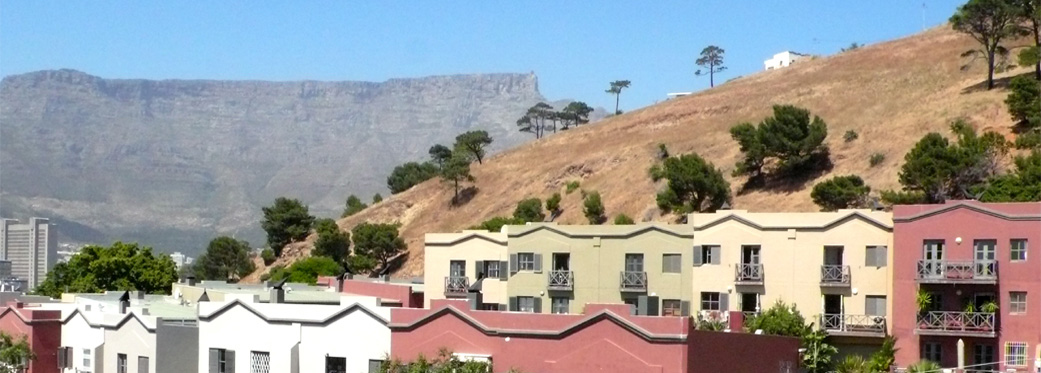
(453, 262)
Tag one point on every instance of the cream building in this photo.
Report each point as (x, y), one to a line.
(452, 262)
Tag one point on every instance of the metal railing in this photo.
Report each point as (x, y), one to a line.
(748, 273)
(957, 322)
(714, 315)
(456, 285)
(845, 323)
(633, 281)
(561, 280)
(947, 271)
(834, 274)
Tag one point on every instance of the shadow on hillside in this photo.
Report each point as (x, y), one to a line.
(999, 83)
(464, 197)
(789, 181)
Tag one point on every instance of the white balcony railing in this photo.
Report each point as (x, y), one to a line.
(456, 285)
(561, 280)
(633, 281)
(966, 271)
(748, 273)
(835, 275)
(949, 322)
(860, 324)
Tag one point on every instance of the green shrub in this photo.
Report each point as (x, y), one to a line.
(840, 192)
(529, 210)
(850, 136)
(495, 224)
(876, 159)
(268, 256)
(594, 208)
(656, 172)
(572, 186)
(553, 203)
(623, 219)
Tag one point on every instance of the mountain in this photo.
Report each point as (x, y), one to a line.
(173, 163)
(891, 94)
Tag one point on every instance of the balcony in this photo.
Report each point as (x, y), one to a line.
(714, 316)
(967, 324)
(946, 272)
(633, 282)
(834, 276)
(854, 325)
(561, 280)
(748, 274)
(456, 286)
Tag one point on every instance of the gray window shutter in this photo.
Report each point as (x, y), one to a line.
(70, 357)
(538, 304)
(724, 302)
(142, 364)
(698, 259)
(513, 304)
(685, 308)
(538, 263)
(715, 254)
(61, 357)
(503, 273)
(882, 253)
(503, 307)
(870, 256)
(880, 306)
(230, 364)
(213, 360)
(513, 264)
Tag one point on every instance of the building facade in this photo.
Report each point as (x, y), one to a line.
(42, 330)
(31, 248)
(784, 59)
(453, 262)
(965, 272)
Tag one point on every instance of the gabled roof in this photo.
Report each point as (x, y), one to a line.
(322, 320)
(791, 220)
(111, 324)
(603, 231)
(1021, 211)
(450, 239)
(25, 320)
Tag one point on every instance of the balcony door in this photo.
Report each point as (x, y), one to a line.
(979, 299)
(833, 255)
(750, 302)
(457, 268)
(750, 255)
(634, 262)
(561, 261)
(932, 258)
(985, 255)
(833, 311)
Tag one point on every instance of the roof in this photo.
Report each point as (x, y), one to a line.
(1022, 211)
(157, 305)
(449, 239)
(297, 313)
(791, 220)
(294, 292)
(603, 231)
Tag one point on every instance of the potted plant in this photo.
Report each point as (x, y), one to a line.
(989, 307)
(924, 300)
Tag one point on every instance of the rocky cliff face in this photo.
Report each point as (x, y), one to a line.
(174, 162)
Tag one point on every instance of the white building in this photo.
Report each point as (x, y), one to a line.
(784, 59)
(31, 248)
(180, 259)
(280, 337)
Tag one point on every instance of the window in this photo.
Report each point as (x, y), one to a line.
(671, 307)
(983, 358)
(222, 361)
(526, 304)
(259, 362)
(121, 363)
(876, 256)
(634, 262)
(526, 261)
(86, 358)
(707, 254)
(374, 367)
(457, 268)
(560, 305)
(1018, 250)
(670, 263)
(142, 364)
(875, 305)
(491, 269)
(931, 351)
(1016, 354)
(710, 301)
(1017, 302)
(335, 364)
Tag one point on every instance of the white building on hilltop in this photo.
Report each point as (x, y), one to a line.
(784, 59)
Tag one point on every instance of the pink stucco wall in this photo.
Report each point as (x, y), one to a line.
(970, 221)
(386, 291)
(42, 329)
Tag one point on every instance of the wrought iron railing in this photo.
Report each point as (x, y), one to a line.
(942, 270)
(749, 273)
(456, 285)
(633, 281)
(949, 321)
(561, 280)
(845, 323)
(834, 274)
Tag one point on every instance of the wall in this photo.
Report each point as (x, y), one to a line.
(78, 334)
(42, 329)
(132, 339)
(713, 352)
(471, 246)
(387, 292)
(179, 343)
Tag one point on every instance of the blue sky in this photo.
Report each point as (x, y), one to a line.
(575, 47)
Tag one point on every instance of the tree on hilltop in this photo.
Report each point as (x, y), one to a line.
(377, 241)
(694, 185)
(286, 221)
(616, 89)
(353, 206)
(409, 174)
(988, 22)
(440, 154)
(574, 114)
(472, 143)
(712, 60)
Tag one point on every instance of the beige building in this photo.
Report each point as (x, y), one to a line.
(31, 248)
(453, 261)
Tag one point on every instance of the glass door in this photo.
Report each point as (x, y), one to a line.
(932, 259)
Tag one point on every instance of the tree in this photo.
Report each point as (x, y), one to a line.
(122, 266)
(495, 224)
(840, 192)
(940, 170)
(1030, 10)
(473, 143)
(817, 358)
(456, 171)
(789, 135)
(695, 185)
(712, 60)
(440, 154)
(332, 242)
(534, 120)
(410, 174)
(553, 204)
(267, 255)
(286, 221)
(752, 150)
(988, 22)
(377, 241)
(307, 270)
(623, 219)
(377, 198)
(1023, 102)
(445, 362)
(780, 319)
(575, 114)
(593, 208)
(1024, 185)
(14, 354)
(616, 89)
(529, 210)
(852, 46)
(354, 205)
(225, 258)
(883, 358)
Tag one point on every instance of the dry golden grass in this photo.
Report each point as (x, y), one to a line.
(891, 93)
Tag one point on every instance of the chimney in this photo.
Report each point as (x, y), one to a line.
(124, 302)
(191, 280)
(278, 295)
(140, 294)
(339, 283)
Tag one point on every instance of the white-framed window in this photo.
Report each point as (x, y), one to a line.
(1017, 302)
(932, 351)
(1016, 354)
(671, 307)
(86, 358)
(670, 263)
(526, 261)
(1018, 250)
(526, 304)
(491, 268)
(710, 302)
(560, 305)
(259, 362)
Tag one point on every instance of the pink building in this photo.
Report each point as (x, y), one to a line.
(42, 328)
(606, 338)
(391, 294)
(973, 262)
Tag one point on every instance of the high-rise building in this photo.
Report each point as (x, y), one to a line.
(31, 248)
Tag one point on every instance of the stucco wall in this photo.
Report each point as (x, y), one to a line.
(467, 246)
(131, 339)
(79, 335)
(43, 335)
(713, 352)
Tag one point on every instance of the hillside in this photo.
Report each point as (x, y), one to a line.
(891, 93)
(173, 163)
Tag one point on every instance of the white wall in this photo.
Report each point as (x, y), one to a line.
(132, 339)
(76, 333)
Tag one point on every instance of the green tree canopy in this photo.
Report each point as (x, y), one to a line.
(472, 144)
(377, 241)
(122, 266)
(789, 135)
(307, 270)
(712, 60)
(332, 242)
(616, 89)
(225, 259)
(457, 171)
(410, 174)
(940, 170)
(353, 206)
(14, 352)
(529, 210)
(286, 221)
(553, 203)
(840, 192)
(695, 185)
(1023, 185)
(575, 114)
(780, 319)
(1023, 101)
(593, 208)
(988, 22)
(440, 154)
(376, 198)
(495, 224)
(623, 219)
(534, 120)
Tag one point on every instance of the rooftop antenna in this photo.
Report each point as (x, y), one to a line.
(923, 15)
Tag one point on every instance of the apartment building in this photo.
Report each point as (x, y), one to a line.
(965, 273)
(453, 263)
(31, 248)
(833, 266)
(40, 327)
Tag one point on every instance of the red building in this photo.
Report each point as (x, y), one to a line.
(42, 328)
(965, 271)
(391, 294)
(606, 338)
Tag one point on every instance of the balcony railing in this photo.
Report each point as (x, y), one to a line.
(956, 323)
(714, 316)
(834, 275)
(942, 271)
(860, 325)
(456, 286)
(749, 274)
(633, 281)
(561, 280)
